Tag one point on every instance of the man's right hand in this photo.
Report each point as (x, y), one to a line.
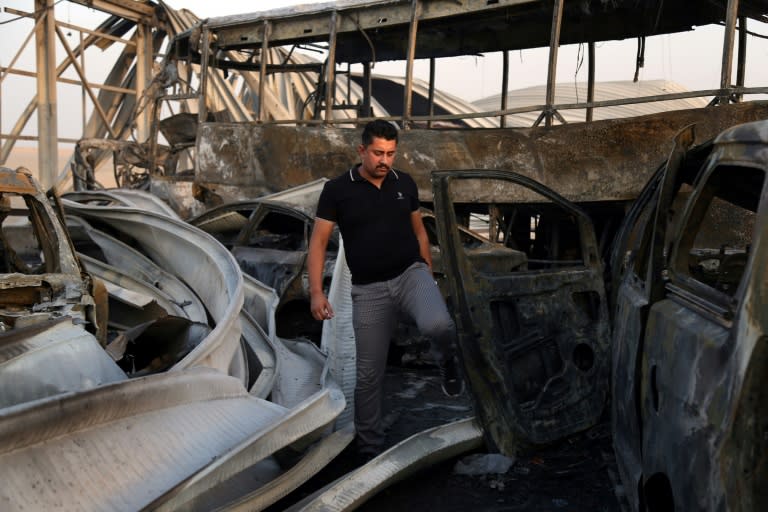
(320, 307)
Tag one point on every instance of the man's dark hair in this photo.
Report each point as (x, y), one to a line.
(380, 129)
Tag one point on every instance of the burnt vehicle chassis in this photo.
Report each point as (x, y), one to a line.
(684, 295)
(689, 329)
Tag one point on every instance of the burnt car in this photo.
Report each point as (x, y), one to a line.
(52, 313)
(689, 330)
(40, 274)
(682, 329)
(269, 238)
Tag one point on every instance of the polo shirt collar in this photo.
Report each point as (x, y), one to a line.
(354, 173)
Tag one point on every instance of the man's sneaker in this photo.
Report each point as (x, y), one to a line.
(452, 383)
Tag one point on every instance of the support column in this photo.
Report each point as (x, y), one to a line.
(330, 69)
(47, 117)
(263, 58)
(591, 81)
(554, 45)
(728, 44)
(144, 59)
(504, 86)
(741, 66)
(367, 86)
(408, 99)
(431, 99)
(202, 105)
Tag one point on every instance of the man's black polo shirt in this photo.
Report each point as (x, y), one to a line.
(375, 223)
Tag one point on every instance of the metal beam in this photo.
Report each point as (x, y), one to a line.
(741, 67)
(31, 107)
(330, 68)
(431, 99)
(32, 138)
(202, 109)
(728, 42)
(144, 60)
(120, 92)
(263, 70)
(128, 9)
(70, 26)
(554, 45)
(411, 52)
(4, 71)
(81, 73)
(367, 88)
(238, 31)
(591, 80)
(504, 86)
(47, 118)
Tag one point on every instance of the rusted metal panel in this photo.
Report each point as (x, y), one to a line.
(18, 182)
(225, 154)
(577, 160)
(472, 26)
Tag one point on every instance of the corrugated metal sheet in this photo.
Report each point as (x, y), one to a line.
(125, 444)
(51, 358)
(184, 251)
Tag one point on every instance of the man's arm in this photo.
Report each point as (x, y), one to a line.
(421, 235)
(320, 307)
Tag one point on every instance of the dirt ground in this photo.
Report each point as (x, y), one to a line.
(576, 474)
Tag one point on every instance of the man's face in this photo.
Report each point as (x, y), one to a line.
(377, 157)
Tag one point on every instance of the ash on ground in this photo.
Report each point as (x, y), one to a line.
(576, 474)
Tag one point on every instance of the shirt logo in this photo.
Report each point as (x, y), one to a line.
(400, 196)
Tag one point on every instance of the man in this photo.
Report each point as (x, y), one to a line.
(377, 210)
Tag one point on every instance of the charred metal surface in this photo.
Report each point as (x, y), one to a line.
(240, 161)
(534, 336)
(689, 340)
(379, 30)
(40, 278)
(270, 241)
(132, 162)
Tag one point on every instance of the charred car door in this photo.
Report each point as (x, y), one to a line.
(696, 387)
(534, 337)
(637, 262)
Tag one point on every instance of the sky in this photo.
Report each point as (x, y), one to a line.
(692, 59)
